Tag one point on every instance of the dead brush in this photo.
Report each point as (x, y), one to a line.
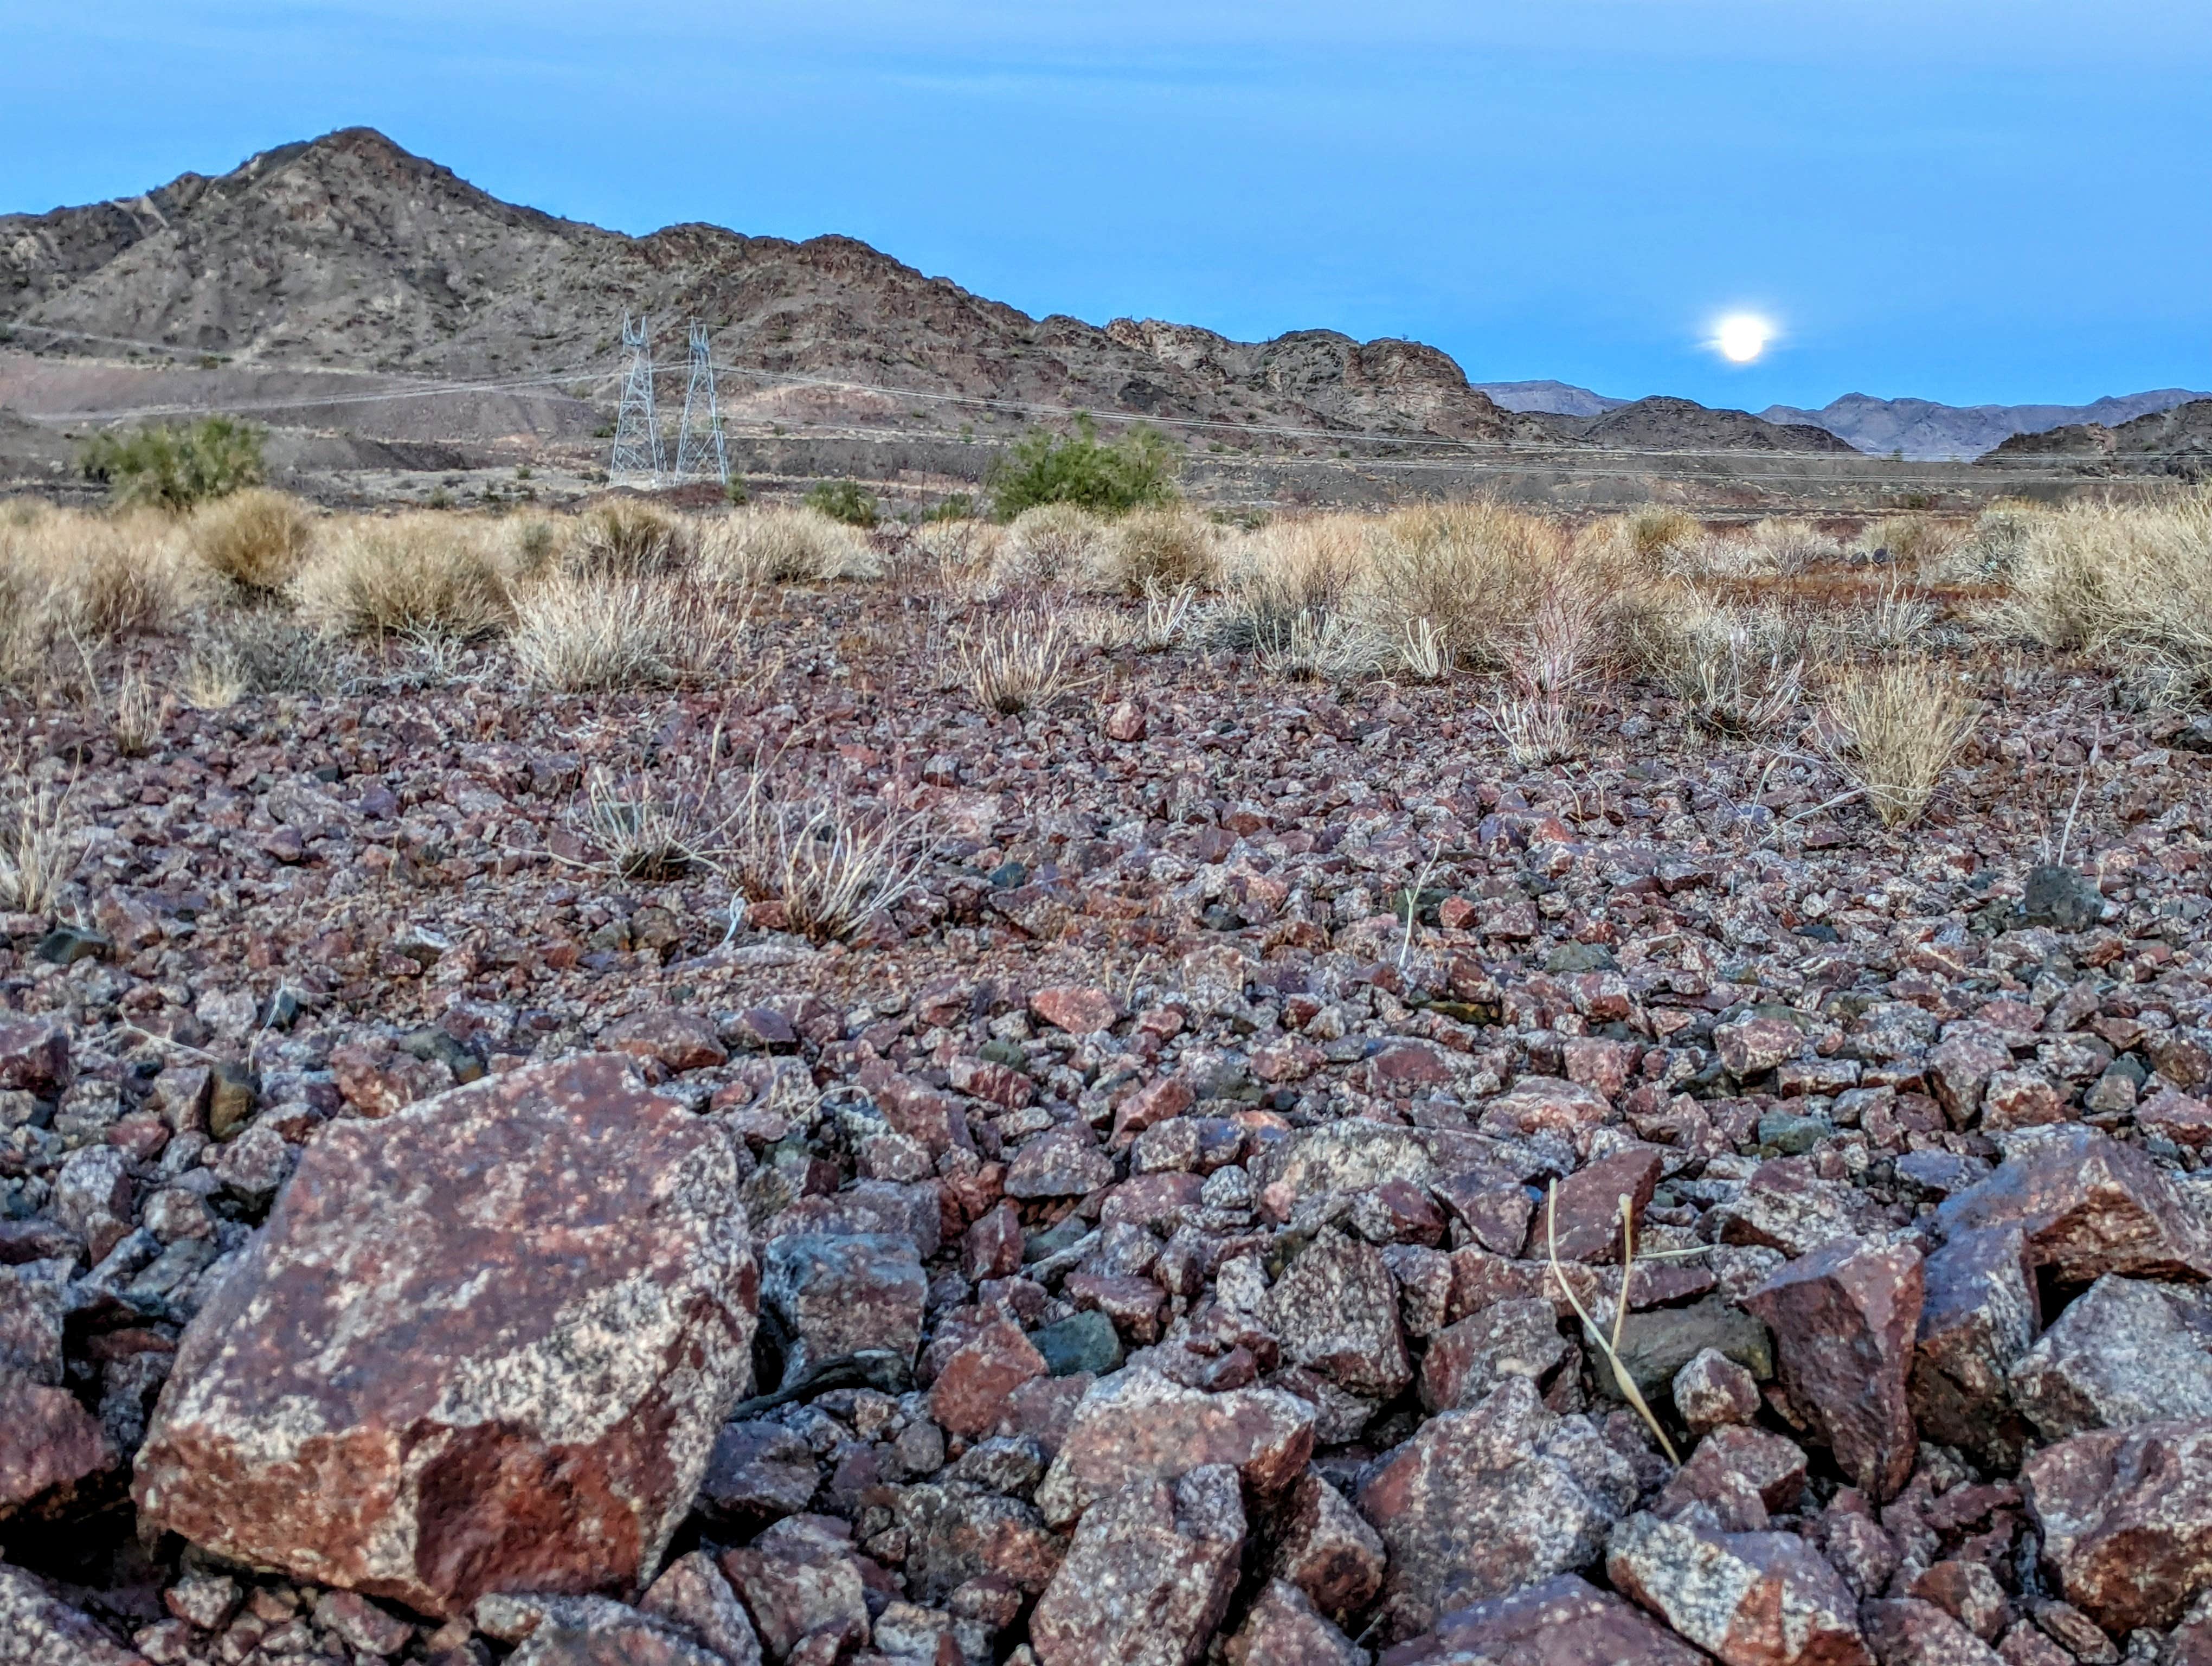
(1424, 652)
(759, 546)
(252, 541)
(626, 537)
(407, 573)
(260, 652)
(36, 857)
(1017, 660)
(1477, 572)
(829, 861)
(1610, 1346)
(1899, 617)
(1318, 645)
(1738, 671)
(132, 715)
(1899, 726)
(1547, 669)
(580, 634)
(653, 829)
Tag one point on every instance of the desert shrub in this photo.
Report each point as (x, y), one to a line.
(848, 501)
(2132, 586)
(1475, 571)
(1898, 724)
(64, 573)
(1778, 547)
(1163, 549)
(628, 536)
(1285, 581)
(1051, 543)
(1019, 659)
(1317, 644)
(1737, 671)
(418, 573)
(783, 546)
(37, 856)
(1651, 531)
(578, 634)
(827, 860)
(261, 652)
(1913, 543)
(1990, 549)
(254, 540)
(175, 466)
(1105, 477)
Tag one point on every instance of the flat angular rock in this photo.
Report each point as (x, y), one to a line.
(1959, 1070)
(1786, 1205)
(693, 1593)
(1336, 1312)
(1326, 1548)
(2086, 1206)
(1060, 1163)
(973, 1393)
(2127, 1351)
(1148, 1576)
(1712, 1390)
(49, 1444)
(35, 1054)
(837, 1294)
(1979, 1313)
(1756, 1044)
(1561, 1621)
(1656, 1343)
(1741, 1475)
(1465, 1361)
(800, 1580)
(1907, 1632)
(482, 1344)
(1479, 1503)
(1138, 1424)
(1844, 1319)
(1283, 1629)
(1582, 1217)
(2126, 1519)
(957, 1531)
(756, 1472)
(37, 1628)
(1750, 1599)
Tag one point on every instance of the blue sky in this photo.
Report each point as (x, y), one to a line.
(1968, 200)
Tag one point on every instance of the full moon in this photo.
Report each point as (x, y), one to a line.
(1742, 337)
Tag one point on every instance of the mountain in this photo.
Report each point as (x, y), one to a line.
(1558, 398)
(348, 256)
(1926, 431)
(2177, 442)
(1664, 423)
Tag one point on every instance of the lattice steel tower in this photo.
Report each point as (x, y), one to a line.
(637, 457)
(699, 442)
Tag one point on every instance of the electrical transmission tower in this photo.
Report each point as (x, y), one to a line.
(637, 457)
(699, 442)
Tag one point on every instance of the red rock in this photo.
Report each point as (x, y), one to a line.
(1960, 1068)
(1601, 1066)
(1282, 1629)
(2019, 1099)
(1407, 1067)
(958, 1534)
(843, 1293)
(1561, 1621)
(1136, 1306)
(1750, 1599)
(1713, 1391)
(1126, 722)
(914, 1211)
(972, 1392)
(1336, 1312)
(1289, 1060)
(377, 1081)
(1584, 1216)
(1322, 1546)
(49, 1445)
(1480, 1503)
(1601, 997)
(1969, 1593)
(2126, 1519)
(416, 1385)
(1755, 1043)
(695, 1594)
(1492, 1204)
(2184, 1120)
(756, 1472)
(1980, 1314)
(1079, 1009)
(34, 1054)
(1148, 1576)
(1465, 1361)
(1787, 1206)
(1154, 1104)
(1063, 1163)
(991, 1247)
(1844, 1319)
(1137, 1425)
(1741, 1474)
(681, 1040)
(1538, 1103)
(360, 1624)
(2087, 1206)
(1907, 1632)
(800, 1580)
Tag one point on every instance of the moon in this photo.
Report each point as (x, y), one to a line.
(1742, 337)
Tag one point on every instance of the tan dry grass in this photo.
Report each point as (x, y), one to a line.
(578, 634)
(1054, 543)
(1152, 549)
(754, 546)
(420, 573)
(1019, 659)
(36, 856)
(254, 541)
(1900, 724)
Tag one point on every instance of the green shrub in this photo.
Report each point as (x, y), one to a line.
(848, 501)
(174, 467)
(1042, 467)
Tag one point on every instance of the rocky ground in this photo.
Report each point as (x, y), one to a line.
(1143, 1245)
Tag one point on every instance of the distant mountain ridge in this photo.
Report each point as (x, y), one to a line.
(1929, 432)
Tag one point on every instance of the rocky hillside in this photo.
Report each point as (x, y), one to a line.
(1925, 430)
(2177, 442)
(350, 253)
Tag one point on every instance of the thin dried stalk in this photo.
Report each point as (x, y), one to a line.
(35, 857)
(1629, 1391)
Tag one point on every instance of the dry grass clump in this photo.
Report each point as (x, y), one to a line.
(1016, 661)
(1916, 544)
(1319, 644)
(36, 859)
(262, 652)
(1988, 550)
(1477, 572)
(2131, 586)
(1900, 723)
(416, 574)
(64, 573)
(1052, 544)
(1656, 528)
(1163, 549)
(1738, 671)
(629, 538)
(1547, 667)
(753, 546)
(578, 634)
(827, 860)
(254, 540)
(1776, 547)
(1288, 580)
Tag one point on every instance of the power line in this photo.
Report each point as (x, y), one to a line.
(637, 456)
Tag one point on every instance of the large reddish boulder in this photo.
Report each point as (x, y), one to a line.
(483, 1345)
(2087, 1206)
(1844, 1319)
(1148, 1577)
(2126, 1519)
